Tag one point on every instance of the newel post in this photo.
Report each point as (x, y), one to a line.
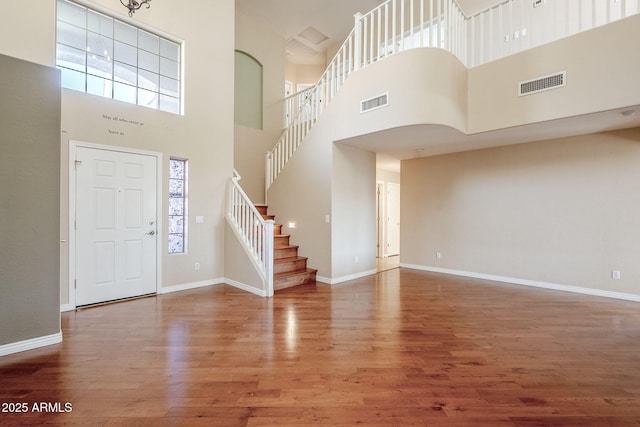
(268, 256)
(357, 41)
(267, 174)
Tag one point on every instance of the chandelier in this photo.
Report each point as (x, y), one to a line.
(134, 5)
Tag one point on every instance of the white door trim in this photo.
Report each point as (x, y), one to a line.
(73, 145)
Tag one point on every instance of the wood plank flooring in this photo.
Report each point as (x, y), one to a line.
(400, 348)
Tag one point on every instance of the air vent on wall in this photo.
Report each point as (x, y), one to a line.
(374, 103)
(552, 81)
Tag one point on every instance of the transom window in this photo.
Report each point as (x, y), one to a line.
(104, 56)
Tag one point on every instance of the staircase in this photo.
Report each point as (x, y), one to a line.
(289, 269)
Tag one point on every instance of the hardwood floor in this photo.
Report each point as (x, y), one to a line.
(399, 348)
(387, 263)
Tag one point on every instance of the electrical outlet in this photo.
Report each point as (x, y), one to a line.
(197, 266)
(438, 255)
(615, 274)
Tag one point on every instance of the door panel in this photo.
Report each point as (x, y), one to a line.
(116, 235)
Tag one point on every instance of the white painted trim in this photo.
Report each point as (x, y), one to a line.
(526, 282)
(342, 279)
(30, 344)
(192, 285)
(245, 287)
(66, 307)
(73, 145)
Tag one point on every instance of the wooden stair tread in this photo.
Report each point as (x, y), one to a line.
(290, 259)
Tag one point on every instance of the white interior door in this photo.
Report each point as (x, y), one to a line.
(393, 218)
(116, 233)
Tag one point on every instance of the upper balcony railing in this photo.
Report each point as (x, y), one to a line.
(398, 25)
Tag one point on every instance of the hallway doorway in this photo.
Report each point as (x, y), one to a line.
(387, 213)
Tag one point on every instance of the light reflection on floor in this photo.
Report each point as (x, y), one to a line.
(388, 263)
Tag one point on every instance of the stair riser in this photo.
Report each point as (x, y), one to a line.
(289, 267)
(280, 253)
(287, 282)
(281, 241)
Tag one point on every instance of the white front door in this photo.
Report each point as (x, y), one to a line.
(393, 219)
(116, 232)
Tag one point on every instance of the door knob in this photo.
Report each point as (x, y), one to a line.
(151, 233)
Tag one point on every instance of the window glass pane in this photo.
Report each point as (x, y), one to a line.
(125, 74)
(100, 24)
(148, 98)
(149, 42)
(125, 53)
(169, 87)
(176, 188)
(176, 243)
(176, 206)
(169, 68)
(147, 80)
(123, 92)
(72, 13)
(100, 66)
(125, 33)
(170, 50)
(176, 224)
(99, 86)
(73, 79)
(72, 35)
(169, 104)
(71, 58)
(100, 45)
(176, 169)
(148, 61)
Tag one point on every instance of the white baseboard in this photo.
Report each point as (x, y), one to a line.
(526, 282)
(193, 285)
(30, 344)
(342, 279)
(66, 307)
(245, 287)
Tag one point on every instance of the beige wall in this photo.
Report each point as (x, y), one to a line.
(303, 74)
(561, 211)
(353, 206)
(595, 81)
(387, 176)
(204, 134)
(238, 264)
(267, 47)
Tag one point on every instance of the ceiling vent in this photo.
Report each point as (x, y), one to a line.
(541, 84)
(295, 48)
(313, 36)
(374, 103)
